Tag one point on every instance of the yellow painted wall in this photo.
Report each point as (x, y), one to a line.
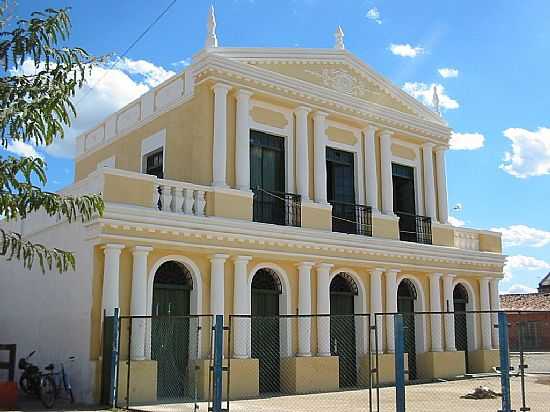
(403, 151)
(229, 204)
(385, 228)
(443, 235)
(341, 135)
(315, 217)
(128, 190)
(268, 117)
(490, 243)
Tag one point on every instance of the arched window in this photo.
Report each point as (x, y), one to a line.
(406, 289)
(267, 279)
(460, 293)
(344, 283)
(174, 273)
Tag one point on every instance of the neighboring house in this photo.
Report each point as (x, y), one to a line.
(264, 181)
(533, 324)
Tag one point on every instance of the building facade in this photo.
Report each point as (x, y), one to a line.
(300, 171)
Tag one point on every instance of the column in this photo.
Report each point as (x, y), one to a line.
(302, 153)
(217, 275)
(111, 277)
(450, 345)
(441, 185)
(495, 307)
(370, 168)
(386, 172)
(241, 306)
(242, 140)
(429, 182)
(391, 307)
(320, 163)
(219, 150)
(138, 305)
(376, 306)
(485, 305)
(304, 308)
(323, 308)
(435, 306)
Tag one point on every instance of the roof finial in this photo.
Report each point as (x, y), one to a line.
(211, 39)
(435, 100)
(339, 39)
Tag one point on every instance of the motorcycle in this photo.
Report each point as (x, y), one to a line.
(29, 382)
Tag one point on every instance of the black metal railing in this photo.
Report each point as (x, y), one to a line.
(351, 218)
(279, 208)
(415, 228)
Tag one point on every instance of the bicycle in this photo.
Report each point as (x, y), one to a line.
(52, 383)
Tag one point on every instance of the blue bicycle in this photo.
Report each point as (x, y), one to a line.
(52, 383)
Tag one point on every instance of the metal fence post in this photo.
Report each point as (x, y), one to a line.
(399, 338)
(114, 357)
(218, 364)
(504, 361)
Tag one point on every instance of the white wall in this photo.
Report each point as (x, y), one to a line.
(51, 312)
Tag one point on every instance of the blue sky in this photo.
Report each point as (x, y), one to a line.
(495, 93)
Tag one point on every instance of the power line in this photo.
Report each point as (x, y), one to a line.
(125, 53)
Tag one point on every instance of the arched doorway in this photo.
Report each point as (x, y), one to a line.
(172, 287)
(460, 298)
(343, 290)
(265, 334)
(406, 296)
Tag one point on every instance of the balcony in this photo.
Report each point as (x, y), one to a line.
(279, 208)
(415, 228)
(351, 218)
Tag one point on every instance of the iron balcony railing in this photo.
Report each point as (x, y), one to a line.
(279, 208)
(351, 218)
(415, 228)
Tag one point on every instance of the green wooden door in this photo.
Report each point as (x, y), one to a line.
(405, 306)
(342, 336)
(170, 338)
(461, 329)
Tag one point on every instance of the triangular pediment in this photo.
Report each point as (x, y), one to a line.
(335, 70)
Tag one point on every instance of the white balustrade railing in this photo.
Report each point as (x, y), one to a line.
(466, 239)
(179, 197)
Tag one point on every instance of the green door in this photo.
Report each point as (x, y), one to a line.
(406, 295)
(170, 334)
(265, 330)
(342, 336)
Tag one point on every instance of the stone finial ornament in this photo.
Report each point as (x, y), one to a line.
(211, 39)
(339, 39)
(435, 100)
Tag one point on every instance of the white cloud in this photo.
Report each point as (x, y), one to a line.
(424, 93)
(518, 288)
(522, 235)
(520, 262)
(106, 91)
(530, 155)
(406, 50)
(456, 221)
(466, 141)
(22, 149)
(447, 72)
(185, 62)
(374, 15)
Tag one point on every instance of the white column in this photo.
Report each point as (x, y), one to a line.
(485, 305)
(138, 306)
(449, 306)
(370, 168)
(242, 140)
(441, 185)
(320, 163)
(429, 182)
(241, 306)
(304, 308)
(376, 306)
(495, 307)
(302, 153)
(111, 277)
(435, 306)
(386, 179)
(219, 150)
(217, 289)
(391, 307)
(323, 308)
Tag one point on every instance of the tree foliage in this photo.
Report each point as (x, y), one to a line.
(35, 109)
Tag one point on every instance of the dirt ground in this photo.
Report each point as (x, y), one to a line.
(433, 397)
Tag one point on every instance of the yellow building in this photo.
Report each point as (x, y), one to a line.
(281, 181)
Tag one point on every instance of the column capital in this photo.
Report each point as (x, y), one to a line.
(386, 133)
(141, 249)
(395, 271)
(305, 265)
(428, 145)
(218, 256)
(113, 247)
(237, 259)
(377, 270)
(370, 129)
(324, 266)
(243, 94)
(221, 88)
(302, 109)
(435, 275)
(441, 149)
(449, 276)
(320, 114)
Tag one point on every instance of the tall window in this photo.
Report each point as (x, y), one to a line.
(154, 164)
(340, 176)
(403, 189)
